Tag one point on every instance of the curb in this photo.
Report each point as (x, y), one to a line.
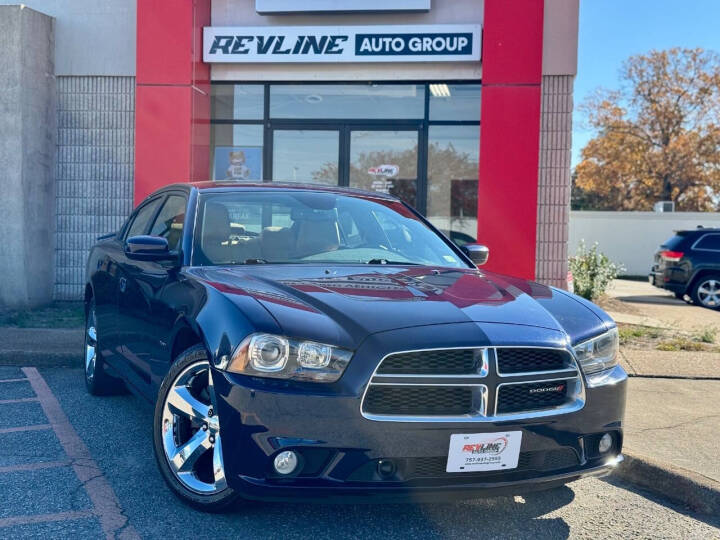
(682, 486)
(40, 358)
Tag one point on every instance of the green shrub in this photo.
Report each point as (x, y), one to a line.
(592, 271)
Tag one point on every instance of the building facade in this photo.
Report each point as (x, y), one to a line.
(462, 108)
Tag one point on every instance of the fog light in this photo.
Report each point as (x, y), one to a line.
(286, 462)
(386, 468)
(605, 443)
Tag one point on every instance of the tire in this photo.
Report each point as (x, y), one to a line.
(97, 381)
(186, 417)
(706, 292)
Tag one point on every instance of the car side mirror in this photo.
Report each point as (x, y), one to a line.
(148, 248)
(477, 253)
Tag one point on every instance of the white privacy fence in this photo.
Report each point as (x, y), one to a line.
(631, 238)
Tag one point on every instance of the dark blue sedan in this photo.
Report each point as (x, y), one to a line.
(316, 342)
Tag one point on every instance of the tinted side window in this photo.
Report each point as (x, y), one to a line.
(142, 218)
(169, 223)
(709, 241)
(674, 242)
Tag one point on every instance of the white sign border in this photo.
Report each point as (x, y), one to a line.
(348, 56)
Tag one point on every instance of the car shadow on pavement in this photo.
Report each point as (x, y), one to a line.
(496, 517)
(117, 430)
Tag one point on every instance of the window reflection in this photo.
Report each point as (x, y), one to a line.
(450, 102)
(306, 155)
(237, 101)
(453, 158)
(385, 101)
(385, 161)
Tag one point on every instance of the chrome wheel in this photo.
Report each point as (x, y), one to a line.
(191, 431)
(708, 293)
(90, 344)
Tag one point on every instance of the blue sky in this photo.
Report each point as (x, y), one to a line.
(612, 30)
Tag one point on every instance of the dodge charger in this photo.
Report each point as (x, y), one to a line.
(316, 342)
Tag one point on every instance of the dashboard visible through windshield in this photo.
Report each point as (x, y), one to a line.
(296, 227)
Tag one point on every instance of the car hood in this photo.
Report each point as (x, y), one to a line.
(343, 305)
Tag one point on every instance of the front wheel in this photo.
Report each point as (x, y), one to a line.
(706, 292)
(186, 434)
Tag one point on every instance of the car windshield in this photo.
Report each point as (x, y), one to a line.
(307, 227)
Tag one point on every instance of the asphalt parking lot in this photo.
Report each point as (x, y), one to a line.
(73, 465)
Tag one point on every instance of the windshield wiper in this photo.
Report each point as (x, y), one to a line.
(254, 261)
(388, 261)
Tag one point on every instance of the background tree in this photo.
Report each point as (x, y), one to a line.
(658, 136)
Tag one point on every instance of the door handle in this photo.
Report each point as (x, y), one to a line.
(123, 284)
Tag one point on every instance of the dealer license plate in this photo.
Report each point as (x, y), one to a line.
(484, 451)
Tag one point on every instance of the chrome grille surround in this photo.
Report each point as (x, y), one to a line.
(486, 383)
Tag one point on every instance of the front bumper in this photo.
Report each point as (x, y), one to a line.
(340, 449)
(262, 490)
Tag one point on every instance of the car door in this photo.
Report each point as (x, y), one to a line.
(131, 300)
(148, 299)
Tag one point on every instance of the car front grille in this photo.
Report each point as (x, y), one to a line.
(419, 400)
(519, 360)
(447, 361)
(473, 384)
(518, 397)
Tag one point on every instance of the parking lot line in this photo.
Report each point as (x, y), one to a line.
(44, 518)
(105, 504)
(34, 427)
(12, 380)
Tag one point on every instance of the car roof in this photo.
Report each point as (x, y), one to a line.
(225, 186)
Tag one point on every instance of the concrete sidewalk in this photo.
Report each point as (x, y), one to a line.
(60, 347)
(672, 433)
(670, 364)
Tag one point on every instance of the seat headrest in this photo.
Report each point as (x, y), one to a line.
(216, 227)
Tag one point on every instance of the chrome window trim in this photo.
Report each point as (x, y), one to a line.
(693, 248)
(578, 401)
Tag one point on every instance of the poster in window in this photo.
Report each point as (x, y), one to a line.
(238, 163)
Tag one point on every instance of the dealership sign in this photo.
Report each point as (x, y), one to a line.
(423, 43)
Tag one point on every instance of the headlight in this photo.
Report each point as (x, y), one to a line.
(268, 355)
(599, 353)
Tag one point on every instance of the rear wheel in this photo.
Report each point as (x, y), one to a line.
(97, 380)
(706, 292)
(187, 440)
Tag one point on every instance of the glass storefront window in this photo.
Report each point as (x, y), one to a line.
(237, 101)
(453, 159)
(357, 101)
(450, 102)
(385, 161)
(306, 155)
(370, 136)
(237, 152)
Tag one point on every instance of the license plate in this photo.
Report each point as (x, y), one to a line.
(484, 451)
